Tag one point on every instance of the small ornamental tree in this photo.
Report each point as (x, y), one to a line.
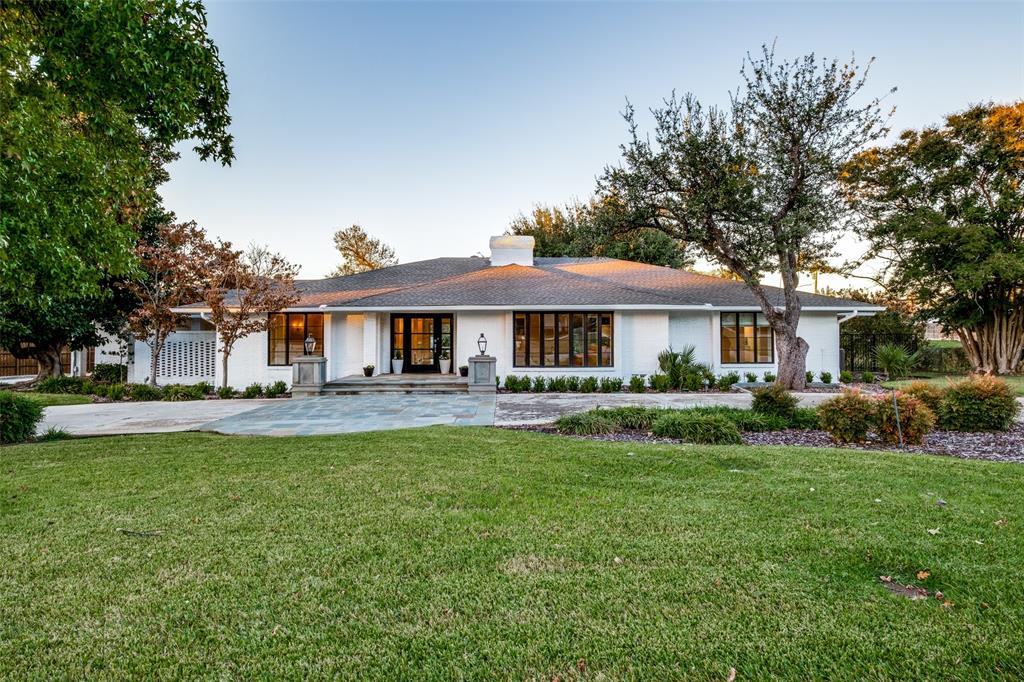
(175, 267)
(754, 187)
(244, 287)
(944, 211)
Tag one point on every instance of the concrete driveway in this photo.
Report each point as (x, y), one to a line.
(106, 419)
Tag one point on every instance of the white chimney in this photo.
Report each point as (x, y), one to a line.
(512, 249)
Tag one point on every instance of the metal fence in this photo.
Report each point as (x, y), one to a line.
(857, 349)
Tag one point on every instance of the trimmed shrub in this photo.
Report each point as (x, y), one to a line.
(588, 385)
(102, 390)
(253, 390)
(826, 377)
(143, 392)
(726, 381)
(60, 384)
(847, 417)
(87, 388)
(206, 388)
(589, 423)
(180, 392)
(809, 376)
(916, 420)
(557, 385)
(572, 383)
(540, 384)
(19, 417)
(611, 384)
(751, 377)
(846, 377)
(276, 389)
(978, 403)
(517, 384)
(867, 377)
(805, 418)
(769, 377)
(774, 400)
(637, 384)
(928, 393)
(660, 382)
(225, 392)
(115, 392)
(704, 429)
(109, 373)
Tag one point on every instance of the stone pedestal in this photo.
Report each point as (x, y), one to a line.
(309, 374)
(482, 374)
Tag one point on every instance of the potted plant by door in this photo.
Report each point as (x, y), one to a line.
(446, 363)
(396, 362)
(463, 370)
(368, 370)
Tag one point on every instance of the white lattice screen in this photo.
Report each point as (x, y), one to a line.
(188, 355)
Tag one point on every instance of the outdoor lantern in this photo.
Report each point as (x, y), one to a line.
(309, 344)
(481, 343)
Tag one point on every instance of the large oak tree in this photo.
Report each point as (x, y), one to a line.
(944, 212)
(753, 186)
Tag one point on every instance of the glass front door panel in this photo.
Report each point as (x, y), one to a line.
(421, 341)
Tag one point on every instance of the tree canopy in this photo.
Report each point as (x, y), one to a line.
(755, 186)
(581, 230)
(943, 209)
(360, 252)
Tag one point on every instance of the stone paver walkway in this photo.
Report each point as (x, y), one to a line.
(352, 413)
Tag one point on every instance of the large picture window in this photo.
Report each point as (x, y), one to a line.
(563, 339)
(747, 339)
(287, 333)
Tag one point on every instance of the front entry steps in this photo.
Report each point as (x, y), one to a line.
(397, 383)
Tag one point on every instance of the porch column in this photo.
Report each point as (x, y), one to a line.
(371, 343)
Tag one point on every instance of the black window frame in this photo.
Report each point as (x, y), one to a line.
(570, 353)
(318, 352)
(758, 318)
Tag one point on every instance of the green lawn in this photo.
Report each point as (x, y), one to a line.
(48, 399)
(476, 553)
(1016, 382)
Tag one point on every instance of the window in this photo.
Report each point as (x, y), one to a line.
(563, 339)
(747, 338)
(286, 336)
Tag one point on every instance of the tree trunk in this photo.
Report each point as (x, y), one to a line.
(224, 365)
(995, 347)
(792, 360)
(154, 358)
(49, 364)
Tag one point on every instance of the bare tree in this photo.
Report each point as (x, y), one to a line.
(245, 286)
(360, 252)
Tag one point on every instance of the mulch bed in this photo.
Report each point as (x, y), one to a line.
(1000, 446)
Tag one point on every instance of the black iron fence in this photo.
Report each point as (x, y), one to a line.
(857, 349)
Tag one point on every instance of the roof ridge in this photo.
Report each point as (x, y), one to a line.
(434, 282)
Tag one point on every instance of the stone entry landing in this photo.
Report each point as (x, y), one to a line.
(397, 383)
(326, 415)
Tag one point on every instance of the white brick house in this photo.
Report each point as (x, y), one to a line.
(550, 316)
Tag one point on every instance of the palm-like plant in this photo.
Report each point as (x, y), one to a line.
(895, 360)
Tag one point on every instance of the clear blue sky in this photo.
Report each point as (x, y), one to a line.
(432, 125)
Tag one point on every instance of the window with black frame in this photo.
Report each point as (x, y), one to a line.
(286, 336)
(747, 338)
(563, 339)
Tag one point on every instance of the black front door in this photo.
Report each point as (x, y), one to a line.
(422, 339)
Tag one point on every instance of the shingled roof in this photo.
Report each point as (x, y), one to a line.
(459, 282)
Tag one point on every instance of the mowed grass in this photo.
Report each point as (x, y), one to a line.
(49, 399)
(448, 553)
(1015, 382)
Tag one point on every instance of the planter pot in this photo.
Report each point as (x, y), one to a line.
(396, 366)
(446, 365)
(367, 372)
(464, 371)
